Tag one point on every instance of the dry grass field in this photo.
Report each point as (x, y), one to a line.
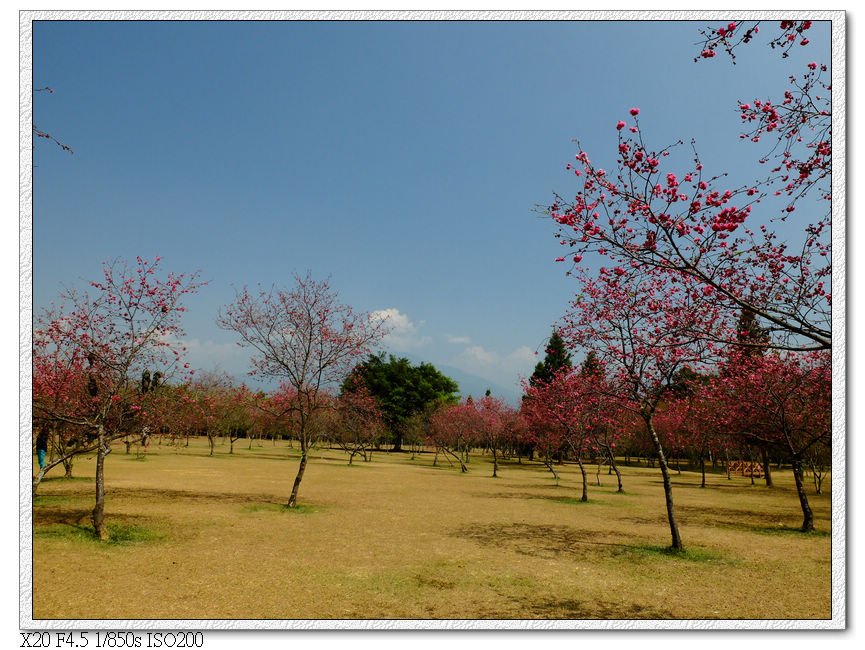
(207, 537)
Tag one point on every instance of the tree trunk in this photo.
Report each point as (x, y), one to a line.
(292, 500)
(495, 464)
(38, 479)
(585, 496)
(463, 467)
(808, 516)
(676, 540)
(98, 517)
(549, 464)
(702, 471)
(767, 472)
(615, 468)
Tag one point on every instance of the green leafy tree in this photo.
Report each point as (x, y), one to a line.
(556, 359)
(401, 390)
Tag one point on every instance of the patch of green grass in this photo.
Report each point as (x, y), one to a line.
(787, 530)
(120, 534)
(68, 479)
(52, 499)
(571, 501)
(696, 554)
(591, 501)
(281, 507)
(132, 534)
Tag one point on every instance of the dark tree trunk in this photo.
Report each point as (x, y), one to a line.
(676, 540)
(585, 495)
(615, 468)
(98, 516)
(808, 516)
(767, 471)
(702, 471)
(463, 467)
(549, 464)
(495, 464)
(292, 500)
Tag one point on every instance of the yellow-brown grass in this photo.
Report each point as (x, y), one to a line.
(207, 537)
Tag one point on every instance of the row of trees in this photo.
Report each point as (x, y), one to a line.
(88, 350)
(725, 282)
(705, 323)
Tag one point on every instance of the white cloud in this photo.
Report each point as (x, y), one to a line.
(479, 354)
(461, 340)
(503, 368)
(403, 334)
(208, 354)
(522, 355)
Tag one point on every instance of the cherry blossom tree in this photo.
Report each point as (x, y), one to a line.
(450, 429)
(564, 406)
(59, 386)
(643, 329)
(305, 338)
(495, 425)
(358, 423)
(128, 322)
(782, 401)
(665, 211)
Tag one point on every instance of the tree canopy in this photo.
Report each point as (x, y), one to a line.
(558, 358)
(401, 389)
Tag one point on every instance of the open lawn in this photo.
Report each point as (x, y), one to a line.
(207, 537)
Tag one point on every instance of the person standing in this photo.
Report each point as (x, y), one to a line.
(42, 446)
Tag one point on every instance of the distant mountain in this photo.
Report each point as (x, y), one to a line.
(469, 384)
(473, 384)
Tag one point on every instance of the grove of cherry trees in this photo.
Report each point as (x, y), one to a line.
(700, 329)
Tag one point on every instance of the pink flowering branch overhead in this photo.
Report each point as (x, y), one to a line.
(762, 245)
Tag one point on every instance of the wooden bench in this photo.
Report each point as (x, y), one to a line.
(745, 468)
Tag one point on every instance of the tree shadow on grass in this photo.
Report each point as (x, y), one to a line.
(272, 506)
(555, 541)
(733, 519)
(67, 479)
(74, 526)
(190, 496)
(571, 609)
(564, 499)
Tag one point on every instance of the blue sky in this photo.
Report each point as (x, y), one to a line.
(402, 159)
